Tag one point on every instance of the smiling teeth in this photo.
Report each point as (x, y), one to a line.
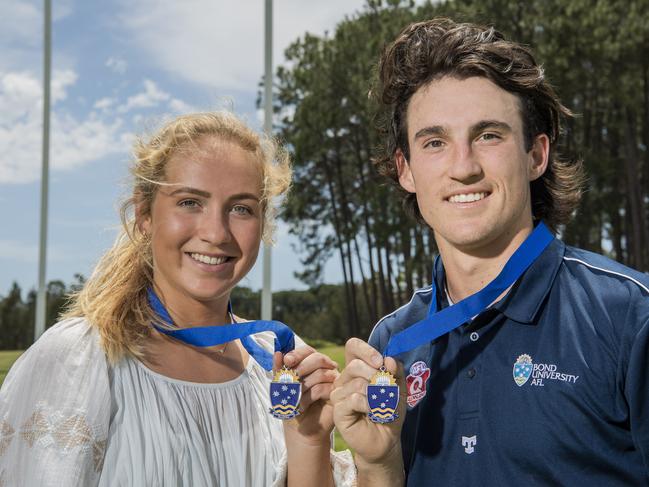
(205, 259)
(467, 198)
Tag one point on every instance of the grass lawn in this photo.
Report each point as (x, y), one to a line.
(7, 358)
(337, 353)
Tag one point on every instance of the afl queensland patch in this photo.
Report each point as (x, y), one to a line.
(416, 382)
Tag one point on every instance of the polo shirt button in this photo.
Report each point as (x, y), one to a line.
(474, 336)
(471, 373)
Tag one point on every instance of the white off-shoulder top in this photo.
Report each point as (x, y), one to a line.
(67, 417)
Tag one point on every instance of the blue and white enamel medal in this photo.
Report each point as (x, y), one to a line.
(382, 397)
(285, 393)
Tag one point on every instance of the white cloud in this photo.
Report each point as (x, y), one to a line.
(61, 80)
(21, 31)
(74, 142)
(104, 103)
(19, 21)
(220, 44)
(116, 64)
(180, 107)
(150, 97)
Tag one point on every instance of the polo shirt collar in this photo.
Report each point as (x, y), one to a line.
(524, 300)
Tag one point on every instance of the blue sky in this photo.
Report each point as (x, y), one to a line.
(119, 67)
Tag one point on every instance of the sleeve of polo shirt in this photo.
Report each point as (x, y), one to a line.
(637, 391)
(379, 337)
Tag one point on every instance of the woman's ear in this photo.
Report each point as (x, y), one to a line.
(143, 216)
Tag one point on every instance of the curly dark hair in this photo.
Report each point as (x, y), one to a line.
(426, 51)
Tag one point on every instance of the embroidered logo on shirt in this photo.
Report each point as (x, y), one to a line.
(468, 442)
(525, 368)
(416, 382)
(522, 369)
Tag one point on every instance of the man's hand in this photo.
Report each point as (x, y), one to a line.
(377, 446)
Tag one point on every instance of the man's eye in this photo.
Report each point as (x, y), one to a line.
(489, 136)
(188, 203)
(434, 143)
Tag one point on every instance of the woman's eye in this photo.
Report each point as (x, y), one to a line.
(241, 210)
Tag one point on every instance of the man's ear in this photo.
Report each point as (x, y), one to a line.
(406, 180)
(538, 156)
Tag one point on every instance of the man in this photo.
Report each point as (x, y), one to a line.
(547, 382)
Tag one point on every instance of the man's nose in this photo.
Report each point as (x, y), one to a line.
(465, 166)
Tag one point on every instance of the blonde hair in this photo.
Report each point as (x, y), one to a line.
(114, 299)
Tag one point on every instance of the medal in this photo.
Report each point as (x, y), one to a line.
(285, 393)
(382, 397)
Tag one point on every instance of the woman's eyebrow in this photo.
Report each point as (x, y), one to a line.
(188, 189)
(244, 196)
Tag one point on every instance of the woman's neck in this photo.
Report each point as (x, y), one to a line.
(188, 312)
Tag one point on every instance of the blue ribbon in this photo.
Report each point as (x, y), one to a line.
(440, 322)
(207, 336)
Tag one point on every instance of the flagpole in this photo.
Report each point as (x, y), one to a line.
(266, 293)
(41, 297)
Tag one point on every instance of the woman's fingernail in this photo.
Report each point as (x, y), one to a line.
(377, 360)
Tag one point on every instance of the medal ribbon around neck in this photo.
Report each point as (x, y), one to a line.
(441, 322)
(285, 389)
(383, 391)
(208, 336)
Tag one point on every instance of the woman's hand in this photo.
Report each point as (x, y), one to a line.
(317, 374)
(307, 435)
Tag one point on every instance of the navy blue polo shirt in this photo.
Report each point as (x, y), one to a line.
(549, 386)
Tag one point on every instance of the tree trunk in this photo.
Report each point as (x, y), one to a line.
(634, 192)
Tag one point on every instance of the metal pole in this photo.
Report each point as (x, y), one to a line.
(41, 299)
(266, 294)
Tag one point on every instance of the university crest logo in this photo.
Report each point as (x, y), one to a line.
(523, 369)
(382, 397)
(285, 392)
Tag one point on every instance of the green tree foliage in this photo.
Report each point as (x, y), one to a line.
(338, 204)
(594, 52)
(17, 316)
(316, 314)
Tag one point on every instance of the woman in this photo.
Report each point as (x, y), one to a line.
(106, 397)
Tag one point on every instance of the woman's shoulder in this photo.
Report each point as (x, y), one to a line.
(56, 398)
(69, 335)
(69, 348)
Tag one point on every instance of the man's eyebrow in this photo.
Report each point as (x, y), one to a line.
(490, 124)
(432, 130)
(190, 190)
